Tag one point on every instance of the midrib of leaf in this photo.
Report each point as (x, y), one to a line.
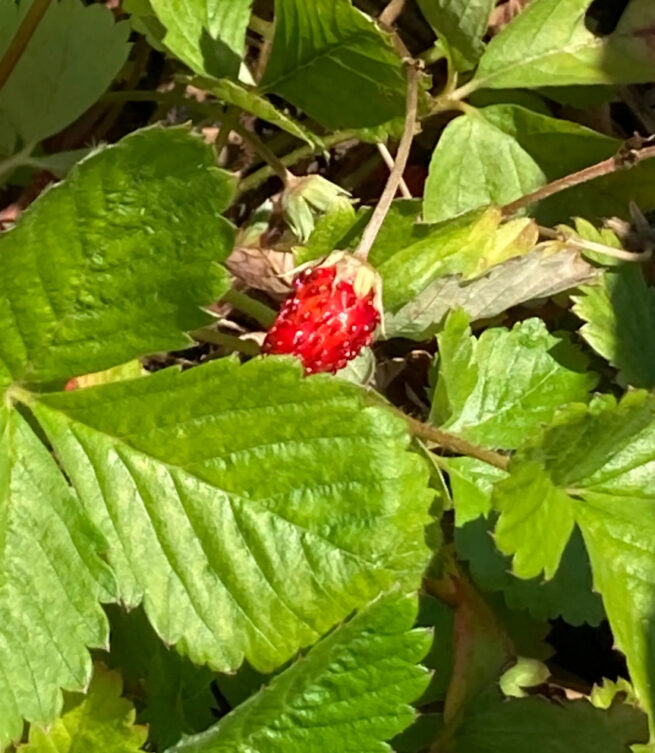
(480, 83)
(327, 52)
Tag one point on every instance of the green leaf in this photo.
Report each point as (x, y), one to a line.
(493, 724)
(532, 509)
(208, 35)
(499, 153)
(350, 693)
(248, 100)
(460, 25)
(496, 389)
(539, 274)
(548, 44)
(60, 67)
(248, 508)
(51, 578)
(619, 315)
(178, 697)
(98, 721)
(331, 61)
(605, 456)
(115, 261)
(476, 164)
(568, 595)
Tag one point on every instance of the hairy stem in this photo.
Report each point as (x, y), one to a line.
(625, 158)
(232, 114)
(21, 38)
(380, 212)
(453, 443)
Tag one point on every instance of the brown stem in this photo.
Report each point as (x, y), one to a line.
(451, 442)
(391, 12)
(380, 212)
(21, 38)
(625, 158)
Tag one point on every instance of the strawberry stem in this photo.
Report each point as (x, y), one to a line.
(451, 442)
(395, 176)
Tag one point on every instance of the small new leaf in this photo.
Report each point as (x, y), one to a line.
(99, 721)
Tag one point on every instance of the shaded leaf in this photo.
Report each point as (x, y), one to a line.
(208, 35)
(99, 721)
(349, 693)
(460, 25)
(60, 67)
(115, 261)
(51, 579)
(248, 521)
(568, 595)
(178, 697)
(235, 94)
(493, 724)
(331, 61)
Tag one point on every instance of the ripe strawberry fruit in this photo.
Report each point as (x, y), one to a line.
(330, 316)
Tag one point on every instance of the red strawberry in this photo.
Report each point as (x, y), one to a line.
(330, 316)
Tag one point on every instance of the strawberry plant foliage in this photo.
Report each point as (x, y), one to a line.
(186, 239)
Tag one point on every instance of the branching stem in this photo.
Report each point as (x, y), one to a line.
(389, 162)
(380, 212)
(625, 158)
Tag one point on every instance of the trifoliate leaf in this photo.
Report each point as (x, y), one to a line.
(549, 44)
(51, 579)
(248, 508)
(494, 390)
(208, 35)
(619, 311)
(115, 261)
(350, 693)
(99, 721)
(69, 62)
(493, 724)
(331, 61)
